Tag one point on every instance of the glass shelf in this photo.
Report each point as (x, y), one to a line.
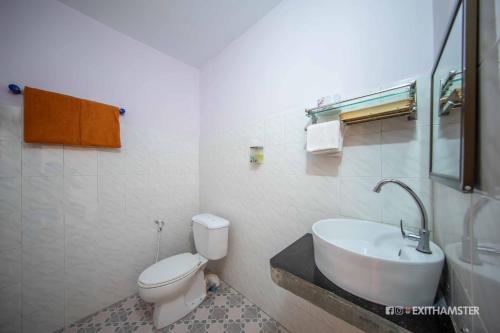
(372, 105)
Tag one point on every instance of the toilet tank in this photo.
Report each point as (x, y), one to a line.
(210, 235)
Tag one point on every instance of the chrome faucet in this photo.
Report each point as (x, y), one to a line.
(423, 235)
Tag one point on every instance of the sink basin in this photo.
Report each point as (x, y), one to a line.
(372, 260)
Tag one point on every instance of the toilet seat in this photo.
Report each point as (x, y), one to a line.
(169, 270)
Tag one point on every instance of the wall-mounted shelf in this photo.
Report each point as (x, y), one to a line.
(392, 102)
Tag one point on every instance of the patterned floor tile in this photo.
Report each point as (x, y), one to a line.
(223, 311)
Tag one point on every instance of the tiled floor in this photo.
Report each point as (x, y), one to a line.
(224, 310)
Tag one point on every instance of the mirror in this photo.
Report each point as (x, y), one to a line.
(453, 120)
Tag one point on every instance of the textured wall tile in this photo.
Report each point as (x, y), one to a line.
(450, 207)
(10, 230)
(359, 200)
(43, 264)
(80, 161)
(45, 319)
(323, 165)
(43, 227)
(295, 123)
(42, 192)
(10, 309)
(138, 160)
(10, 195)
(10, 270)
(80, 194)
(10, 158)
(361, 156)
(405, 153)
(42, 160)
(111, 192)
(10, 123)
(371, 127)
(275, 129)
(489, 120)
(112, 162)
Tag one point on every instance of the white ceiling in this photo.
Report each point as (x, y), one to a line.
(192, 31)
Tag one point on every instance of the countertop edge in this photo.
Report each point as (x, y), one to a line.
(334, 304)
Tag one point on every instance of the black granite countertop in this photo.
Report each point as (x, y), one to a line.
(298, 260)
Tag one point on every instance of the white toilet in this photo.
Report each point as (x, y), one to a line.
(176, 285)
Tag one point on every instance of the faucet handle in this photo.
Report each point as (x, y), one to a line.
(406, 234)
(403, 233)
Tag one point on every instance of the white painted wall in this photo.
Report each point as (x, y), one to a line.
(258, 87)
(76, 224)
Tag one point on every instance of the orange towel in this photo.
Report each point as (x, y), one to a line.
(51, 117)
(100, 125)
(60, 119)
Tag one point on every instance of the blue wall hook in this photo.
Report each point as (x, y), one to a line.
(15, 89)
(122, 111)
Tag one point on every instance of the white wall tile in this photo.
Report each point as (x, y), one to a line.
(361, 156)
(112, 162)
(138, 160)
(42, 192)
(359, 200)
(10, 270)
(80, 194)
(10, 195)
(10, 123)
(295, 159)
(46, 319)
(323, 165)
(10, 309)
(111, 192)
(370, 127)
(43, 227)
(489, 92)
(70, 225)
(10, 158)
(80, 161)
(10, 230)
(489, 28)
(295, 124)
(405, 153)
(42, 160)
(275, 129)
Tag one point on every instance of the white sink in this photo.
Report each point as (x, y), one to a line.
(373, 261)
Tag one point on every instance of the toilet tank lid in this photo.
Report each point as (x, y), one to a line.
(210, 221)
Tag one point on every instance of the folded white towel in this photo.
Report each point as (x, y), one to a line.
(324, 138)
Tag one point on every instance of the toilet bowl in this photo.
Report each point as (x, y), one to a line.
(176, 285)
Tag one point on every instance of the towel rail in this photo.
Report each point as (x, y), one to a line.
(16, 90)
(387, 103)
